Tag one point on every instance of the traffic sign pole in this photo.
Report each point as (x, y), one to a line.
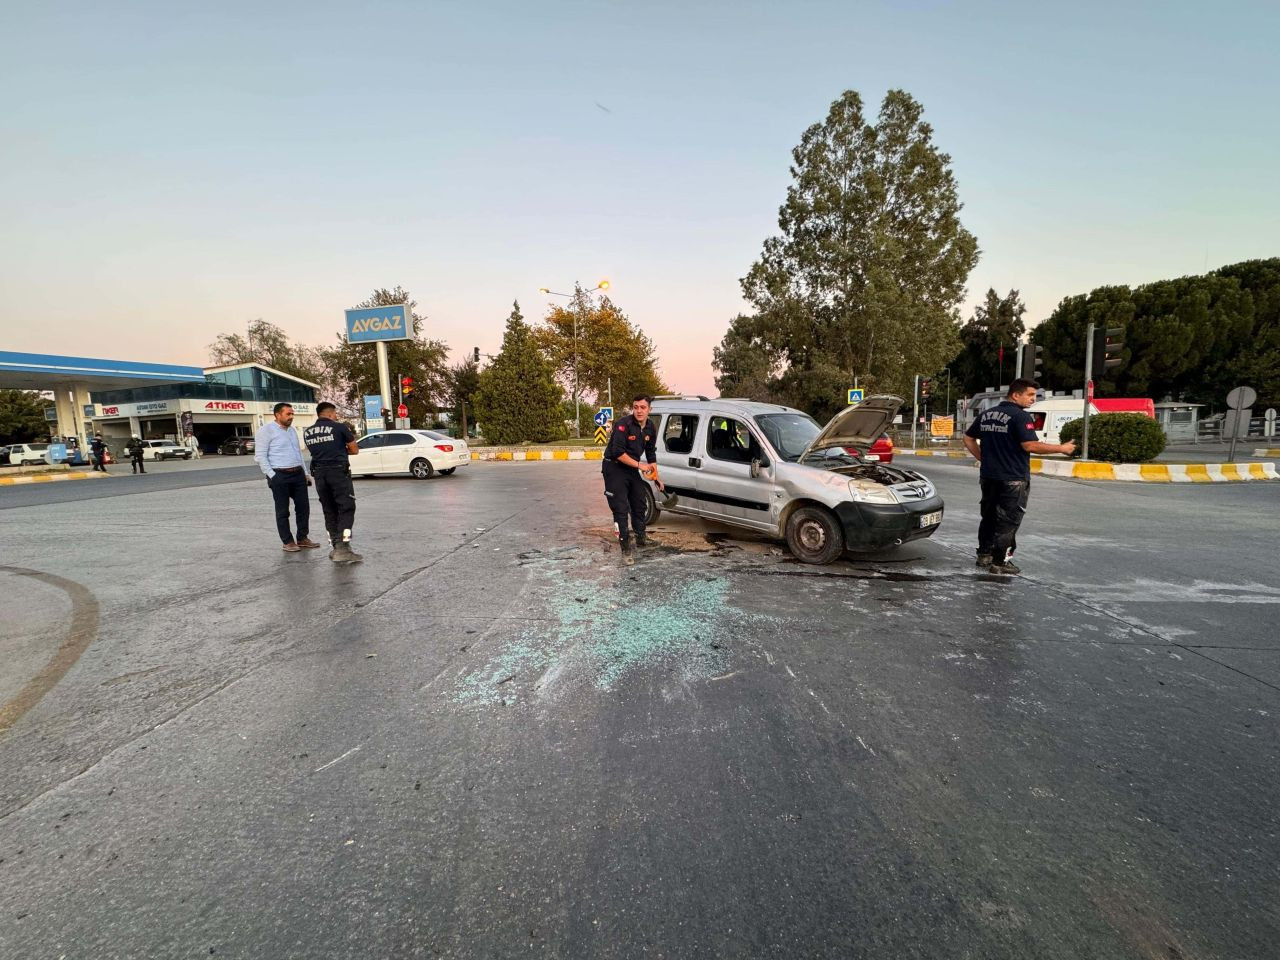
(1088, 391)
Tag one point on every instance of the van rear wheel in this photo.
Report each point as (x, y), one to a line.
(651, 510)
(814, 535)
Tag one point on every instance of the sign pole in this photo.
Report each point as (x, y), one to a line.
(1088, 380)
(915, 409)
(384, 373)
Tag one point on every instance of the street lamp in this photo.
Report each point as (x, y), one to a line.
(602, 285)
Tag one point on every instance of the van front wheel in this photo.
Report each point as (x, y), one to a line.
(814, 535)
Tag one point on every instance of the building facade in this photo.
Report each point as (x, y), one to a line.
(232, 401)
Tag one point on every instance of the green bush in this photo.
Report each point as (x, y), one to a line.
(1118, 437)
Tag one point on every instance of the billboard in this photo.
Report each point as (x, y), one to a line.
(371, 324)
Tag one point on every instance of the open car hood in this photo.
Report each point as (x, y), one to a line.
(857, 426)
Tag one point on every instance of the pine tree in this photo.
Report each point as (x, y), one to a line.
(867, 274)
(518, 398)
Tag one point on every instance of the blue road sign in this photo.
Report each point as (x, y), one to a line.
(855, 396)
(373, 407)
(370, 324)
(603, 416)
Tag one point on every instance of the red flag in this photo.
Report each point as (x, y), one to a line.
(1001, 354)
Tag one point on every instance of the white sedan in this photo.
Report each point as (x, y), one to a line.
(419, 453)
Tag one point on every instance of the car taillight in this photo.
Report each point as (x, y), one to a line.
(446, 447)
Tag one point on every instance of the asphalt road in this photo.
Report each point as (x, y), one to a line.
(491, 740)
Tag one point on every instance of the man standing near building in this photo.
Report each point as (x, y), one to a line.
(134, 449)
(330, 443)
(624, 487)
(99, 451)
(1002, 440)
(279, 455)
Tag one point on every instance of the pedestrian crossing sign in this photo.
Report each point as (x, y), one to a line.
(855, 396)
(602, 435)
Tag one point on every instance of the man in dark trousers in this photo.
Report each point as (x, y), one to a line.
(99, 451)
(134, 449)
(278, 452)
(330, 443)
(633, 436)
(1002, 440)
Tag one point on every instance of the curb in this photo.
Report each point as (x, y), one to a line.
(1267, 452)
(50, 477)
(576, 453)
(1158, 472)
(1135, 472)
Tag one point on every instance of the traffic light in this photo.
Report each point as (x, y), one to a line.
(926, 389)
(406, 386)
(1106, 346)
(1031, 365)
(388, 421)
(475, 356)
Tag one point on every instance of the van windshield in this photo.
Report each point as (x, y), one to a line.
(788, 433)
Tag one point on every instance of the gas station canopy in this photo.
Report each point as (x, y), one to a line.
(71, 379)
(41, 371)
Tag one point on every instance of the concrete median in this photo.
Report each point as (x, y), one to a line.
(1131, 472)
(552, 453)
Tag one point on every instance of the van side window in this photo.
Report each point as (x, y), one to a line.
(677, 434)
(729, 439)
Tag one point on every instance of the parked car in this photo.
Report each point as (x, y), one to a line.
(164, 450)
(27, 454)
(881, 450)
(419, 453)
(773, 469)
(236, 446)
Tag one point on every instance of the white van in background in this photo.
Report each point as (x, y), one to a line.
(1053, 413)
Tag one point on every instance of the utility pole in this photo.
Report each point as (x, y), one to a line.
(915, 409)
(1088, 390)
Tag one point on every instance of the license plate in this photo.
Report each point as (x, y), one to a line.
(929, 519)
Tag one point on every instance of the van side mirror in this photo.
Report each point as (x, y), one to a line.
(757, 467)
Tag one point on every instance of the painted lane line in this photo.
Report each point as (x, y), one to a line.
(337, 760)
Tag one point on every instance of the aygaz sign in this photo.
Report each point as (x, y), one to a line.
(370, 324)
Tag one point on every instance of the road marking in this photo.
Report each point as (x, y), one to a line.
(336, 760)
(83, 630)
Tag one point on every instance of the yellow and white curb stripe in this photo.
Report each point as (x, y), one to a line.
(1157, 472)
(1134, 472)
(50, 477)
(576, 453)
(1267, 452)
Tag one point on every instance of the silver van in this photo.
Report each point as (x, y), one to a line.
(771, 468)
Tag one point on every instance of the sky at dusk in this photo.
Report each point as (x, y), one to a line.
(169, 171)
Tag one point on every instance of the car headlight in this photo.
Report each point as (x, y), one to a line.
(871, 493)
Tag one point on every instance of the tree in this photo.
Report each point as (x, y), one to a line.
(352, 368)
(464, 381)
(1191, 338)
(267, 344)
(748, 365)
(995, 327)
(517, 398)
(22, 418)
(868, 272)
(612, 354)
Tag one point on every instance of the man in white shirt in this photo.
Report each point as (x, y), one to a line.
(279, 455)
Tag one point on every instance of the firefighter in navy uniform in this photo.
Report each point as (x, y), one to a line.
(633, 436)
(330, 443)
